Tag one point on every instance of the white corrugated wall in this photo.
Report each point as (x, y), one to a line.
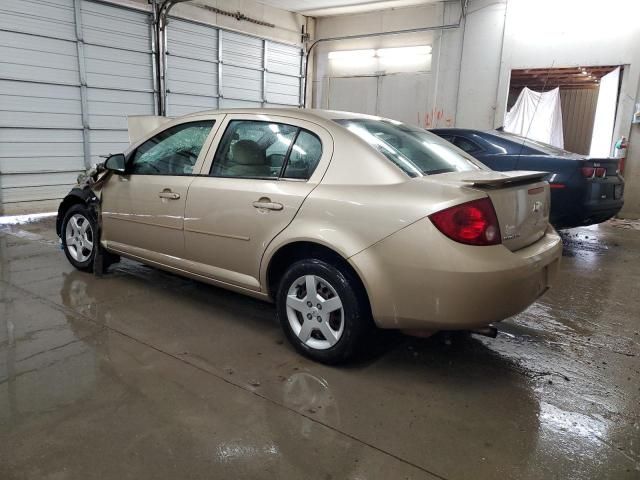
(212, 68)
(71, 71)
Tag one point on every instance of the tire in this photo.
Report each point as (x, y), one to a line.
(333, 335)
(78, 235)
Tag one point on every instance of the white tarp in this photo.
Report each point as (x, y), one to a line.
(605, 115)
(537, 115)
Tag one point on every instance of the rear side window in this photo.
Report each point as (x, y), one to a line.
(414, 150)
(305, 155)
(266, 150)
(466, 145)
(173, 151)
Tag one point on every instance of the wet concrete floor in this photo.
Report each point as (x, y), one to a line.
(143, 374)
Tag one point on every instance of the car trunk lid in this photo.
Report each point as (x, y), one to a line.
(520, 198)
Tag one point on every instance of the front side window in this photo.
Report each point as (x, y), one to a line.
(258, 149)
(173, 151)
(414, 150)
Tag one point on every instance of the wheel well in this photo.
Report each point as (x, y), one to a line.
(293, 252)
(67, 203)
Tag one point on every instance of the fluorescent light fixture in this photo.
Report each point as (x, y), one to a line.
(404, 51)
(351, 54)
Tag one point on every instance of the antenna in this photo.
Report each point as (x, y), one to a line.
(526, 136)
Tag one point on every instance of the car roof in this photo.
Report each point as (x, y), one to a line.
(301, 113)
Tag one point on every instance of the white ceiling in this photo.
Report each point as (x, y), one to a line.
(323, 8)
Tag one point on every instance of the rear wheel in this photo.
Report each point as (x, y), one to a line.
(322, 311)
(79, 237)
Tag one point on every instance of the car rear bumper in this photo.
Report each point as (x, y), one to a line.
(594, 202)
(414, 282)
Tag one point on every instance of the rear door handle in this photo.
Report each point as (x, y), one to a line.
(267, 204)
(169, 195)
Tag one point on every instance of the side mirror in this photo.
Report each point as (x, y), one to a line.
(115, 163)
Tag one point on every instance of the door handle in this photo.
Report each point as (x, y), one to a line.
(266, 204)
(169, 195)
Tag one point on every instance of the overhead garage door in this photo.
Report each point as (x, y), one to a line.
(41, 146)
(212, 68)
(119, 72)
(58, 92)
(71, 71)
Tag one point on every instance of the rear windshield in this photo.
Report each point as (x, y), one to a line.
(533, 144)
(416, 151)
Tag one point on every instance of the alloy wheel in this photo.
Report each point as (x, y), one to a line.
(315, 312)
(79, 238)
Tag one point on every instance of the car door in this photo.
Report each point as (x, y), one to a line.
(249, 191)
(143, 209)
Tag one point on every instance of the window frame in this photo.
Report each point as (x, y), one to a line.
(206, 145)
(285, 162)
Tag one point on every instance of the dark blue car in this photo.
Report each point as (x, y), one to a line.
(584, 190)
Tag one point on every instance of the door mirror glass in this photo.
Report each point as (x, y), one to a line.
(115, 163)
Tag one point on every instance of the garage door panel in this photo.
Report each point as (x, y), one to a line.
(21, 60)
(114, 81)
(106, 142)
(282, 89)
(59, 61)
(39, 120)
(37, 44)
(33, 194)
(241, 50)
(33, 135)
(51, 18)
(41, 163)
(179, 104)
(194, 41)
(17, 103)
(232, 103)
(20, 180)
(117, 56)
(192, 76)
(241, 83)
(115, 27)
(283, 58)
(22, 149)
(39, 90)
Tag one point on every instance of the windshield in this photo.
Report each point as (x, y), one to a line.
(416, 151)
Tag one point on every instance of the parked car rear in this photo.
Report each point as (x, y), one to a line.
(584, 190)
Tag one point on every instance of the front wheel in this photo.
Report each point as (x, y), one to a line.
(79, 237)
(322, 311)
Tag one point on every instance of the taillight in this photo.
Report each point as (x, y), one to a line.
(601, 172)
(473, 223)
(588, 172)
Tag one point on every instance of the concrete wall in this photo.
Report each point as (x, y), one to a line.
(445, 54)
(472, 64)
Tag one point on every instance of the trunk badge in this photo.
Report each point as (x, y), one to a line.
(537, 206)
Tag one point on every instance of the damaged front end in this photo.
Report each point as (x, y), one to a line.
(86, 191)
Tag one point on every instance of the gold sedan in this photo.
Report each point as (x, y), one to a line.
(345, 221)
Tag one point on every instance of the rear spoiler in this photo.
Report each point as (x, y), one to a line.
(141, 125)
(498, 179)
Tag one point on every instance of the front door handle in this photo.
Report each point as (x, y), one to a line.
(266, 204)
(169, 195)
